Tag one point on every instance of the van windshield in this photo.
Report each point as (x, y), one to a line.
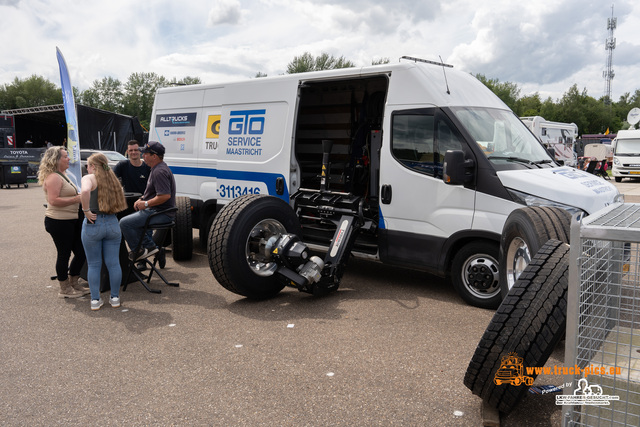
(502, 136)
(628, 147)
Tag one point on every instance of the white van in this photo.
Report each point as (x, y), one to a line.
(359, 149)
(626, 155)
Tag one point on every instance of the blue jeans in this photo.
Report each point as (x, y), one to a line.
(132, 225)
(102, 240)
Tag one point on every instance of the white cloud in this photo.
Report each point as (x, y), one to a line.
(541, 45)
(225, 12)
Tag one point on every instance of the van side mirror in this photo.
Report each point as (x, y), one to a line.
(456, 170)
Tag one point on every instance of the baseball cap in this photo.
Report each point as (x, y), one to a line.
(153, 147)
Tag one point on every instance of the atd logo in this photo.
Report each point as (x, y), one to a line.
(511, 371)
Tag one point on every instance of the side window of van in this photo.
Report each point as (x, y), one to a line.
(413, 141)
(420, 141)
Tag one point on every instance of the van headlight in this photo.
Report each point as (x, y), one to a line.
(616, 161)
(530, 200)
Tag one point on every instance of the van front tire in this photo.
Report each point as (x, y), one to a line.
(235, 231)
(475, 274)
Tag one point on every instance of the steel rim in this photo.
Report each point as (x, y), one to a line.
(260, 244)
(480, 276)
(518, 257)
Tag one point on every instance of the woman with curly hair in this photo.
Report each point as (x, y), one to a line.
(102, 197)
(62, 220)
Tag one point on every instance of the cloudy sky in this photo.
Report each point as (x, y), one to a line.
(544, 46)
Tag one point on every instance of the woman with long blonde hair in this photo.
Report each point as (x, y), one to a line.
(102, 197)
(62, 220)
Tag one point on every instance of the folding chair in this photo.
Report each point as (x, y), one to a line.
(601, 170)
(133, 268)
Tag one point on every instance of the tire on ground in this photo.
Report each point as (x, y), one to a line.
(524, 232)
(228, 246)
(474, 274)
(183, 231)
(529, 323)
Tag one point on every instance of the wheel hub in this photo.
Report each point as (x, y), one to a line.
(259, 244)
(518, 257)
(481, 276)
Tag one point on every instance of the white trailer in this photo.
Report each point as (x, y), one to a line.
(561, 137)
(412, 164)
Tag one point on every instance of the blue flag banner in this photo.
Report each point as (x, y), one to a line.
(73, 145)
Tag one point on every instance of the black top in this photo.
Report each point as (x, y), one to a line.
(134, 178)
(161, 181)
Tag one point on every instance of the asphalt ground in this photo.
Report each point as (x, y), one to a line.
(391, 347)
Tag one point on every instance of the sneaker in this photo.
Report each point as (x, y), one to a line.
(114, 301)
(142, 266)
(147, 253)
(96, 304)
(134, 256)
(162, 258)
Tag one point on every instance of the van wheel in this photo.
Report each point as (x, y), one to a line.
(618, 179)
(524, 232)
(238, 229)
(528, 324)
(183, 231)
(474, 274)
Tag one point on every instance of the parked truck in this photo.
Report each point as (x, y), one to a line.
(412, 164)
(560, 137)
(626, 155)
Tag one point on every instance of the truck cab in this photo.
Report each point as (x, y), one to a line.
(626, 155)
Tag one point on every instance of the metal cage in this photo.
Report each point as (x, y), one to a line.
(602, 356)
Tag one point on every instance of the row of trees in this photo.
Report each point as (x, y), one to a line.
(135, 96)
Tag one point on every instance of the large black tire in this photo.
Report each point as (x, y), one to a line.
(524, 232)
(530, 322)
(183, 231)
(242, 221)
(474, 274)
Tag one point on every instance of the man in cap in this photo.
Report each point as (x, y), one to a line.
(159, 194)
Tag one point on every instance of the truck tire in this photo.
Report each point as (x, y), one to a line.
(529, 323)
(524, 232)
(618, 179)
(183, 231)
(474, 274)
(237, 227)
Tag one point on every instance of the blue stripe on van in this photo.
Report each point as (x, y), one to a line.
(268, 178)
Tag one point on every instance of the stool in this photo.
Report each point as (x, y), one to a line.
(143, 278)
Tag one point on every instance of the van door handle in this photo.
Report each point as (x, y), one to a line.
(385, 194)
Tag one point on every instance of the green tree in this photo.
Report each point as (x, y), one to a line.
(139, 94)
(508, 92)
(306, 62)
(105, 94)
(528, 105)
(380, 61)
(34, 91)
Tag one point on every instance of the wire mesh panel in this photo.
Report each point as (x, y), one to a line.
(603, 320)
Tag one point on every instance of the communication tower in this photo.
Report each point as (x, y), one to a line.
(610, 45)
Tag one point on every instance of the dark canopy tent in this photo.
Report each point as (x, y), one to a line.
(98, 129)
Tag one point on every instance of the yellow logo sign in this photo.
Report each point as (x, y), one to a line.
(511, 371)
(213, 127)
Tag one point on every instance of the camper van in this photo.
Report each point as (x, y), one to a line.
(560, 137)
(626, 155)
(412, 164)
